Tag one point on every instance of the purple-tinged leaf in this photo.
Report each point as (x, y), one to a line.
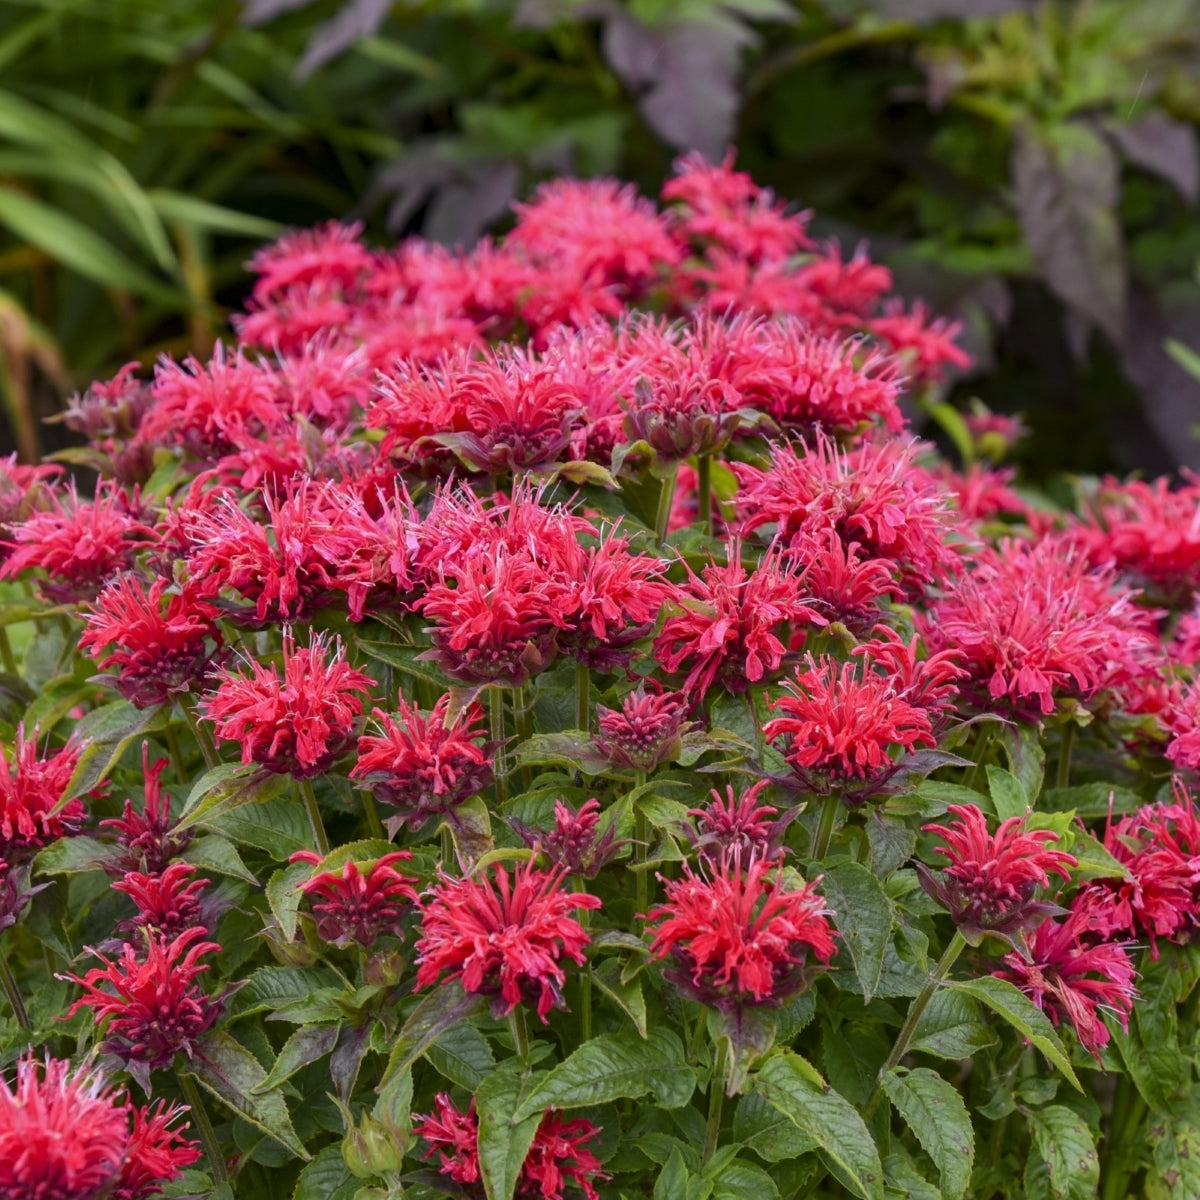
(355, 19)
(1163, 147)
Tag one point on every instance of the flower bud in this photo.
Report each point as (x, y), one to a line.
(372, 1149)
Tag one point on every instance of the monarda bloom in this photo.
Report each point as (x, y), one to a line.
(65, 1135)
(359, 905)
(740, 939)
(730, 626)
(147, 840)
(576, 843)
(32, 790)
(991, 881)
(295, 725)
(503, 936)
(150, 1002)
(167, 903)
(153, 644)
(842, 721)
(558, 1157)
(420, 765)
(1072, 977)
(646, 731)
(739, 828)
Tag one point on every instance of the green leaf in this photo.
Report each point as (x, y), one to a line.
(625, 995)
(215, 853)
(735, 1179)
(672, 1181)
(570, 747)
(72, 855)
(231, 1073)
(796, 1089)
(863, 916)
(616, 1065)
(444, 1007)
(308, 1044)
(183, 209)
(105, 734)
(1026, 756)
(765, 1130)
(504, 1135)
(1066, 1147)
(326, 1178)
(463, 1055)
(936, 1114)
(950, 1027)
(750, 1032)
(1022, 1014)
(1174, 1138)
(1008, 793)
(273, 987)
(277, 826)
(229, 786)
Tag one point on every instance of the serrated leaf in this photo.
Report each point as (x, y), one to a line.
(308, 1044)
(504, 1135)
(950, 1027)
(1008, 793)
(229, 786)
(284, 896)
(463, 1055)
(737, 1179)
(1023, 1015)
(1066, 1147)
(443, 1007)
(1026, 756)
(626, 995)
(936, 1114)
(273, 987)
(672, 1181)
(1090, 800)
(71, 855)
(762, 1128)
(231, 1073)
(326, 1178)
(795, 1089)
(106, 733)
(278, 827)
(613, 1066)
(863, 916)
(570, 747)
(1174, 1138)
(215, 853)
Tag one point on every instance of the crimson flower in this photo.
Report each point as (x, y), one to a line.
(421, 766)
(32, 787)
(576, 842)
(1073, 978)
(991, 881)
(66, 1135)
(740, 938)
(729, 630)
(841, 720)
(739, 827)
(295, 725)
(645, 732)
(152, 1005)
(151, 649)
(503, 936)
(358, 906)
(146, 840)
(925, 344)
(15, 893)
(558, 1156)
(168, 903)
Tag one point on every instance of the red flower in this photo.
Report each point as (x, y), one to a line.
(152, 1005)
(503, 937)
(357, 907)
(646, 732)
(728, 632)
(156, 650)
(558, 1156)
(32, 812)
(991, 881)
(842, 720)
(739, 829)
(422, 766)
(328, 254)
(155, 1153)
(296, 725)
(79, 545)
(575, 844)
(926, 345)
(168, 903)
(1182, 719)
(146, 840)
(739, 938)
(1072, 978)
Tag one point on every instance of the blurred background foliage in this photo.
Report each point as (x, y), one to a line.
(1030, 168)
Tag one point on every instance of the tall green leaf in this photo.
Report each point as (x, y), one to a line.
(935, 1112)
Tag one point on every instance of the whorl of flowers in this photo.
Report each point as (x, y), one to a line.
(353, 905)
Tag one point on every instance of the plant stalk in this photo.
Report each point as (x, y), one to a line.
(6, 652)
(208, 1138)
(953, 950)
(666, 500)
(641, 836)
(829, 811)
(496, 725)
(583, 696)
(1063, 778)
(520, 1032)
(716, 1099)
(204, 738)
(986, 734)
(374, 824)
(13, 992)
(704, 492)
(320, 837)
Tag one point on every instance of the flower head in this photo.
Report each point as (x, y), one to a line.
(155, 1152)
(991, 881)
(739, 827)
(420, 765)
(359, 906)
(146, 840)
(503, 936)
(298, 724)
(168, 902)
(741, 937)
(150, 1000)
(576, 842)
(645, 732)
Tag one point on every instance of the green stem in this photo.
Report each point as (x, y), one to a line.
(208, 1137)
(520, 1032)
(704, 492)
(953, 950)
(666, 498)
(641, 836)
(1064, 755)
(374, 824)
(314, 816)
(1117, 1163)
(583, 696)
(6, 652)
(176, 753)
(448, 855)
(716, 1099)
(829, 811)
(981, 752)
(499, 764)
(13, 992)
(523, 719)
(200, 732)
